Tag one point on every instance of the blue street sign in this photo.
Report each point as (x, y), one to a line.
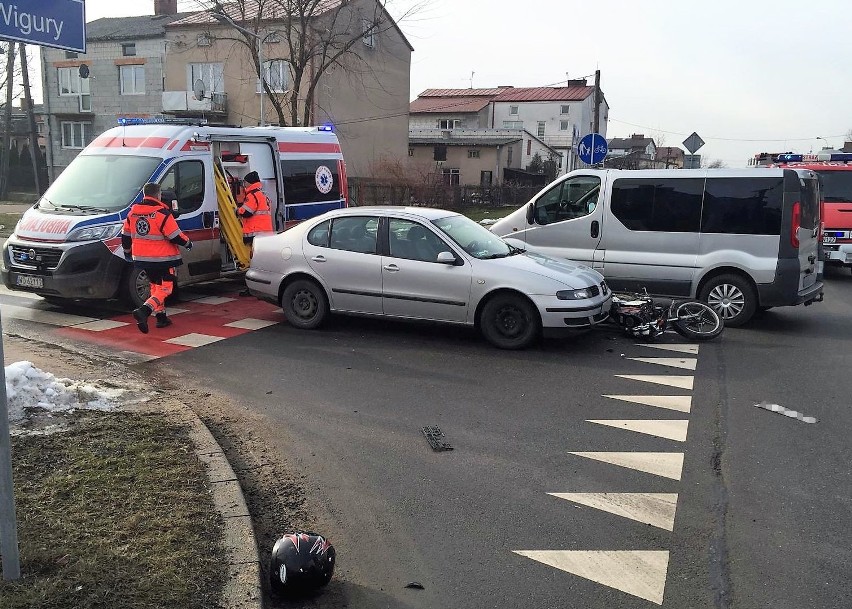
(47, 23)
(592, 149)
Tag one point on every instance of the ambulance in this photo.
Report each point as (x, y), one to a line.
(68, 245)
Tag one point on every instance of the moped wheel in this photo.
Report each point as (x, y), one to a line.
(696, 320)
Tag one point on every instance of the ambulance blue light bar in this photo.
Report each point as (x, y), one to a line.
(326, 127)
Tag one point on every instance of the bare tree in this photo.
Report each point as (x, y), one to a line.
(716, 164)
(7, 119)
(318, 35)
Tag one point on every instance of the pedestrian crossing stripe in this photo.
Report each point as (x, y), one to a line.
(667, 465)
(640, 573)
(685, 363)
(680, 348)
(668, 429)
(681, 403)
(656, 509)
(682, 382)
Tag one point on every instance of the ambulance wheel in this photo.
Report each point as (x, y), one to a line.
(136, 288)
(304, 304)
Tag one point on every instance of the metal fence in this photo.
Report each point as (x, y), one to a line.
(367, 192)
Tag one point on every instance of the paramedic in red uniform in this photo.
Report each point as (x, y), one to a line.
(255, 212)
(150, 236)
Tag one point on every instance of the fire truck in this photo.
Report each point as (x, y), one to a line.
(835, 175)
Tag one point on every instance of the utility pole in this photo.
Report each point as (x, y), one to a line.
(35, 151)
(597, 101)
(9, 551)
(7, 120)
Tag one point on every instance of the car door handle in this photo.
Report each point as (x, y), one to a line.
(596, 229)
(391, 267)
(318, 258)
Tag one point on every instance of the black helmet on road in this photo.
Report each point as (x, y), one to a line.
(301, 562)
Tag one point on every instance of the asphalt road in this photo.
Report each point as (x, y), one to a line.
(763, 501)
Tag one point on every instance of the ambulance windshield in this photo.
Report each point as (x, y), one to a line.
(99, 183)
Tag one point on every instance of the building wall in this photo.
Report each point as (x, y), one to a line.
(469, 120)
(107, 102)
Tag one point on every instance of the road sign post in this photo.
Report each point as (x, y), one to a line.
(48, 23)
(9, 551)
(592, 149)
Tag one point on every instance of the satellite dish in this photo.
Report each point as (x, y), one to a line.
(198, 89)
(84, 71)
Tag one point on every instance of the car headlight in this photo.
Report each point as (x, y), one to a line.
(575, 294)
(95, 233)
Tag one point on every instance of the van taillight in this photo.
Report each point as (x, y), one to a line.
(796, 224)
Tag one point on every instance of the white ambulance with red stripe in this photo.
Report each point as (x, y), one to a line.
(68, 245)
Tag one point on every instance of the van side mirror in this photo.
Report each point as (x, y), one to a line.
(531, 212)
(446, 258)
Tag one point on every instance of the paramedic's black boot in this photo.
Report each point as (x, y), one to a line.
(163, 321)
(141, 316)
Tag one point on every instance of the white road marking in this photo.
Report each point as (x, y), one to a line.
(51, 318)
(194, 340)
(682, 403)
(214, 300)
(692, 349)
(656, 509)
(101, 325)
(175, 311)
(640, 573)
(683, 382)
(685, 363)
(30, 295)
(667, 465)
(668, 429)
(251, 324)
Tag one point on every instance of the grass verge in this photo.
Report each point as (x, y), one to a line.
(481, 213)
(7, 223)
(115, 512)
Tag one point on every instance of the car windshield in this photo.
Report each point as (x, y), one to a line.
(100, 183)
(474, 238)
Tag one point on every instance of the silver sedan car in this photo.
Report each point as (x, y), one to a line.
(423, 264)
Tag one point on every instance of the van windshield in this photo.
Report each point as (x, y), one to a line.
(836, 186)
(99, 183)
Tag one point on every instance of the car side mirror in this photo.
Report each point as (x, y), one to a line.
(446, 258)
(531, 212)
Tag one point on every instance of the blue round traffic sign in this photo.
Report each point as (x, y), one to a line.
(592, 149)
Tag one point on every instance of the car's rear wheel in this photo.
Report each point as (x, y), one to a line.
(509, 321)
(732, 297)
(304, 304)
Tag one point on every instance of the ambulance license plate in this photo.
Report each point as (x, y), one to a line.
(29, 281)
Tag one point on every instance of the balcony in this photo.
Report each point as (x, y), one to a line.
(183, 103)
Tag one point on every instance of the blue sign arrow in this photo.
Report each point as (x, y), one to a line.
(592, 149)
(47, 23)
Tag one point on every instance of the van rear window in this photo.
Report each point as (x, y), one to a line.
(743, 206)
(310, 181)
(809, 199)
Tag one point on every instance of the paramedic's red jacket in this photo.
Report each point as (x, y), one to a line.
(151, 235)
(255, 212)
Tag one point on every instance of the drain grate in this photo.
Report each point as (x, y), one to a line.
(436, 438)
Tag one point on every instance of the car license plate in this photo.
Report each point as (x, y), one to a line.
(29, 281)
(829, 239)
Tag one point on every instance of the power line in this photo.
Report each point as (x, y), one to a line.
(729, 139)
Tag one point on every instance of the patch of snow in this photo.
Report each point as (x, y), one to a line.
(487, 222)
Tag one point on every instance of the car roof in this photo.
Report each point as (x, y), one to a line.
(424, 213)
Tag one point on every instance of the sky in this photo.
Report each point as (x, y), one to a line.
(748, 77)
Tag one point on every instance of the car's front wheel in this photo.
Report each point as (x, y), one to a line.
(509, 321)
(304, 304)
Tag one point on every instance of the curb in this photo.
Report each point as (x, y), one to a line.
(242, 588)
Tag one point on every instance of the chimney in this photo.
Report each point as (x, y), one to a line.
(637, 136)
(165, 7)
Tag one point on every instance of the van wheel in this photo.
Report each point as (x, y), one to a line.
(304, 304)
(136, 288)
(509, 321)
(732, 297)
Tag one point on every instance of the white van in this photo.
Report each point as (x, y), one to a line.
(740, 240)
(68, 245)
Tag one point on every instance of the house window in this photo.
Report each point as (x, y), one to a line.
(563, 109)
(473, 154)
(211, 74)
(276, 75)
(449, 123)
(71, 85)
(76, 135)
(451, 176)
(132, 80)
(513, 110)
(128, 49)
(513, 124)
(540, 131)
(564, 125)
(369, 37)
(70, 55)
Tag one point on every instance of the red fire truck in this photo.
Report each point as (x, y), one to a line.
(835, 174)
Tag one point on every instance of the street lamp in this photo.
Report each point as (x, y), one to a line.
(220, 16)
